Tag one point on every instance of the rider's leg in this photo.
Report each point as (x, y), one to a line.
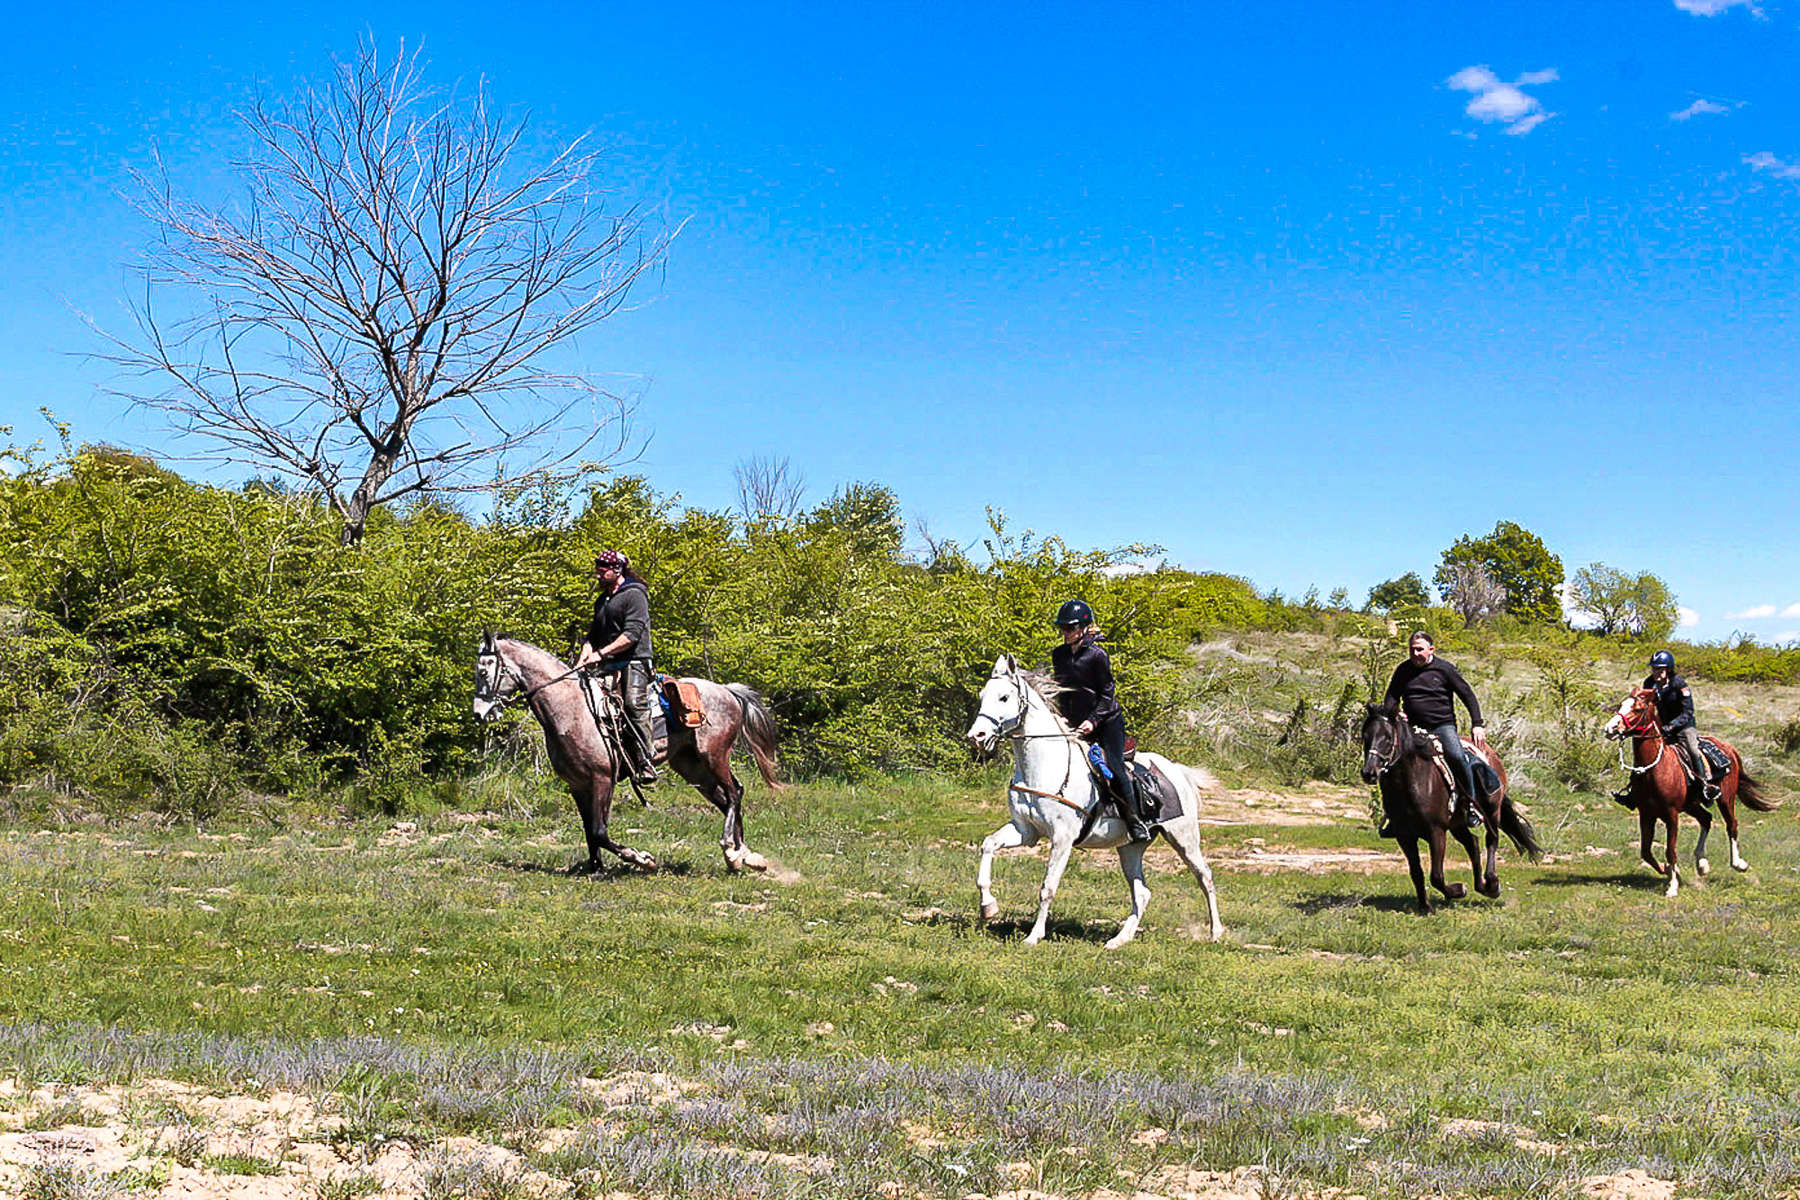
(1690, 742)
(1459, 767)
(1111, 739)
(636, 694)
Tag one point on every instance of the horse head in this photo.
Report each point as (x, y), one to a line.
(1002, 708)
(1382, 740)
(1636, 716)
(494, 680)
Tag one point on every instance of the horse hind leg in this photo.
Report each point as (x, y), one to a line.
(1704, 820)
(1728, 809)
(1131, 862)
(1674, 862)
(1185, 837)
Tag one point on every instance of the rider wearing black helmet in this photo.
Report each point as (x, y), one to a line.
(1675, 712)
(1088, 704)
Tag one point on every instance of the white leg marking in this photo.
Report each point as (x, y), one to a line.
(1059, 862)
(1131, 862)
(1004, 838)
(1737, 860)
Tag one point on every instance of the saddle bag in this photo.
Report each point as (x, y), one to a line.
(681, 696)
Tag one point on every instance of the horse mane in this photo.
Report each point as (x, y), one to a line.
(1048, 690)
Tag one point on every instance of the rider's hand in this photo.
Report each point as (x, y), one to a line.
(1085, 728)
(1479, 733)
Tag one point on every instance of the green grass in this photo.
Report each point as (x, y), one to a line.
(1583, 1006)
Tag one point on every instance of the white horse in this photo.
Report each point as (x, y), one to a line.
(1052, 794)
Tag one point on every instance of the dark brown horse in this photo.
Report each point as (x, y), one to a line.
(1416, 798)
(1659, 787)
(506, 668)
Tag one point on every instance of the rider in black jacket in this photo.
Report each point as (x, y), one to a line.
(1428, 687)
(1675, 713)
(1089, 706)
(619, 639)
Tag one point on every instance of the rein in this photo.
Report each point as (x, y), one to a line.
(524, 693)
(1644, 735)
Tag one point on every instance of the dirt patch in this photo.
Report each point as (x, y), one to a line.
(1634, 1184)
(1312, 804)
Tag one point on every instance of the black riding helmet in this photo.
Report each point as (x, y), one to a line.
(1074, 613)
(1662, 658)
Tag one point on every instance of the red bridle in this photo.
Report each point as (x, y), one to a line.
(1641, 708)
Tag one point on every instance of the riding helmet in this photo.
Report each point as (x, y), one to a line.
(1074, 612)
(1662, 658)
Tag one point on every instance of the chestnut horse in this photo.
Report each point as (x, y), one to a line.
(506, 668)
(1659, 787)
(1416, 798)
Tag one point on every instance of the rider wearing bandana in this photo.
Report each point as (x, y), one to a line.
(619, 639)
(1428, 687)
(1675, 712)
(1088, 704)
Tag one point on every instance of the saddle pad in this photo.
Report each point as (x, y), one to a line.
(684, 697)
(1152, 785)
(1720, 760)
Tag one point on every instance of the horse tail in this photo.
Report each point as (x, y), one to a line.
(1202, 779)
(1751, 793)
(1516, 827)
(758, 733)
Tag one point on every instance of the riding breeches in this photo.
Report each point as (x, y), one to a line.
(1459, 763)
(1110, 737)
(1689, 741)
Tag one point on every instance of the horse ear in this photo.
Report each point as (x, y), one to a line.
(1003, 665)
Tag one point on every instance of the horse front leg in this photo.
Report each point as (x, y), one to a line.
(1674, 824)
(1439, 843)
(603, 794)
(1410, 847)
(592, 829)
(1059, 862)
(1131, 862)
(1007, 837)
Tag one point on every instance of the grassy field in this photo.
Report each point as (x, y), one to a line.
(843, 1027)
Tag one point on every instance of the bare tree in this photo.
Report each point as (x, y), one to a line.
(377, 319)
(768, 487)
(1472, 591)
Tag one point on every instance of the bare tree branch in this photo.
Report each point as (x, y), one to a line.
(379, 317)
(768, 487)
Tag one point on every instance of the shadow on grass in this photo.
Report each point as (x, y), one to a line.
(610, 868)
(1059, 929)
(1641, 878)
(1323, 902)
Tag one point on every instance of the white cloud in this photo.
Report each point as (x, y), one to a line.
(1499, 102)
(1756, 612)
(1791, 611)
(1767, 163)
(1686, 617)
(1712, 8)
(1699, 108)
(1784, 637)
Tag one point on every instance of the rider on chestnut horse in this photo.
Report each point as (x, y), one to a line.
(1428, 687)
(1675, 712)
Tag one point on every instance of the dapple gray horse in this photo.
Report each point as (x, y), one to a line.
(507, 668)
(1052, 794)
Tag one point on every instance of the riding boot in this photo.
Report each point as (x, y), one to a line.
(1623, 796)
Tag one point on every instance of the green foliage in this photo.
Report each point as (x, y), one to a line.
(1638, 605)
(1516, 559)
(1740, 660)
(1408, 591)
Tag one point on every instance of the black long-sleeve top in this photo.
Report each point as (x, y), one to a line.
(1674, 702)
(1430, 693)
(626, 610)
(1086, 671)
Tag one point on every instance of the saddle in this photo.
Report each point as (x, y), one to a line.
(1716, 759)
(1487, 782)
(1157, 799)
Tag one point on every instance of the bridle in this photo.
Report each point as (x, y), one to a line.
(1641, 733)
(501, 672)
(1398, 749)
(1013, 728)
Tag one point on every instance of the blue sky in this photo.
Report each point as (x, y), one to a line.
(1299, 292)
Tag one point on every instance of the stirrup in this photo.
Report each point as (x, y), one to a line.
(1623, 796)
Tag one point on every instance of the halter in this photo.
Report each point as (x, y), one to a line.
(1642, 733)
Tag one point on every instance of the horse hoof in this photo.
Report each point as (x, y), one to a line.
(1702, 866)
(990, 911)
(644, 862)
(1456, 891)
(1117, 940)
(734, 862)
(1491, 889)
(1738, 864)
(1033, 939)
(754, 861)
